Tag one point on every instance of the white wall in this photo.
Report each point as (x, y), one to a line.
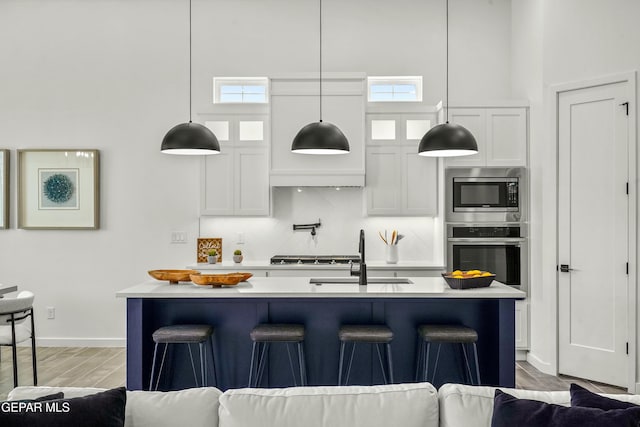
(581, 39)
(113, 75)
(342, 216)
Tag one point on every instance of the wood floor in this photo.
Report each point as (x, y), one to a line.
(105, 368)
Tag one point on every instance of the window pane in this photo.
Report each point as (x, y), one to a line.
(382, 96)
(253, 89)
(219, 128)
(383, 129)
(381, 88)
(404, 89)
(254, 98)
(230, 97)
(251, 131)
(417, 128)
(230, 89)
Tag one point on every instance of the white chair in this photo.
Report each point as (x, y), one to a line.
(13, 313)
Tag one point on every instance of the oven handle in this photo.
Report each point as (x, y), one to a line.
(485, 241)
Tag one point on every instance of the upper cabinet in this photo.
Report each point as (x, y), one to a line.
(399, 182)
(236, 181)
(501, 134)
(294, 104)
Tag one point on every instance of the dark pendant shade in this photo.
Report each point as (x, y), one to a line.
(320, 138)
(190, 139)
(447, 140)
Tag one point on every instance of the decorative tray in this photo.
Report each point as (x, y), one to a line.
(173, 276)
(458, 282)
(217, 280)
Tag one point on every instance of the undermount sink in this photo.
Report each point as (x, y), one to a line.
(354, 280)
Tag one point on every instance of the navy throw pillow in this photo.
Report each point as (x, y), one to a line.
(105, 409)
(580, 396)
(509, 411)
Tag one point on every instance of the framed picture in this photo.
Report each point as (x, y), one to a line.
(58, 189)
(4, 189)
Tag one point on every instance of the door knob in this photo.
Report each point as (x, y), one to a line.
(565, 268)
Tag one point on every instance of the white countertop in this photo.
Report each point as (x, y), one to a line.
(299, 287)
(266, 265)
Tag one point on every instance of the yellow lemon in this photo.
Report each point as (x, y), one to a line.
(457, 273)
(485, 274)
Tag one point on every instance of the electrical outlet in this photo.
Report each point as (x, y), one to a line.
(178, 237)
(240, 239)
(51, 312)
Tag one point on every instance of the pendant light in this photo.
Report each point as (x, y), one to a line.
(190, 138)
(447, 139)
(320, 137)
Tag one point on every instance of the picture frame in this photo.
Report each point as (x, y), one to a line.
(59, 189)
(4, 189)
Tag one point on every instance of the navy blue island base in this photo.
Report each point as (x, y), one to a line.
(234, 317)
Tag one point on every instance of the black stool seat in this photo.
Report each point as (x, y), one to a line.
(366, 333)
(447, 334)
(267, 332)
(183, 334)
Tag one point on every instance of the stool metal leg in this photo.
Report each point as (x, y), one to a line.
(302, 364)
(203, 364)
(262, 363)
(341, 362)
(164, 354)
(213, 362)
(252, 366)
(475, 353)
(384, 376)
(153, 365)
(193, 366)
(425, 372)
(390, 363)
(466, 362)
(435, 367)
(293, 373)
(353, 350)
(419, 355)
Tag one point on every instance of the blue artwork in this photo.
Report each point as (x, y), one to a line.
(58, 189)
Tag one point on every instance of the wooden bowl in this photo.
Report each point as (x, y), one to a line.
(245, 276)
(216, 280)
(173, 276)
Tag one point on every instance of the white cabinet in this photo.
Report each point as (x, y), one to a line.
(522, 325)
(236, 181)
(294, 104)
(501, 134)
(399, 181)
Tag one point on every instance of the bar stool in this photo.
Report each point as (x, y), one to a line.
(445, 334)
(184, 334)
(368, 334)
(265, 334)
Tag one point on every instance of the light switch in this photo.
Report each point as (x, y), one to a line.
(178, 237)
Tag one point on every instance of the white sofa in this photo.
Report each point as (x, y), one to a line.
(404, 405)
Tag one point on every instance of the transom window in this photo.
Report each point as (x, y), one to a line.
(395, 89)
(240, 90)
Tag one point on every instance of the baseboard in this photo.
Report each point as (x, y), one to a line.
(539, 364)
(521, 355)
(81, 342)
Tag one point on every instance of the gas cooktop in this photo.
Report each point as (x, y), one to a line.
(315, 259)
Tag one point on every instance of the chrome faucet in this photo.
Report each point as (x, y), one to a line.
(362, 271)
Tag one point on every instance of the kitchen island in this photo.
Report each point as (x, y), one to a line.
(322, 308)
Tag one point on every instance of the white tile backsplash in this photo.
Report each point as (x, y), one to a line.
(342, 213)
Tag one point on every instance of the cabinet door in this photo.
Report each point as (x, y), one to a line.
(383, 181)
(522, 325)
(216, 183)
(474, 119)
(419, 183)
(251, 186)
(506, 137)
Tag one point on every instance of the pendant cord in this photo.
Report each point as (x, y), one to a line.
(320, 83)
(447, 63)
(190, 65)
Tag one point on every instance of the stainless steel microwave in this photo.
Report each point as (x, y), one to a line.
(486, 194)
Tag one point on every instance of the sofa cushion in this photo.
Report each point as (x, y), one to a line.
(405, 405)
(149, 408)
(580, 396)
(104, 409)
(510, 411)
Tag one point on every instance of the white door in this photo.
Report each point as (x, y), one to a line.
(593, 233)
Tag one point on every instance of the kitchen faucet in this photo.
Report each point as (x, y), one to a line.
(362, 271)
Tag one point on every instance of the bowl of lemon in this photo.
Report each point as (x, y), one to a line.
(469, 279)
